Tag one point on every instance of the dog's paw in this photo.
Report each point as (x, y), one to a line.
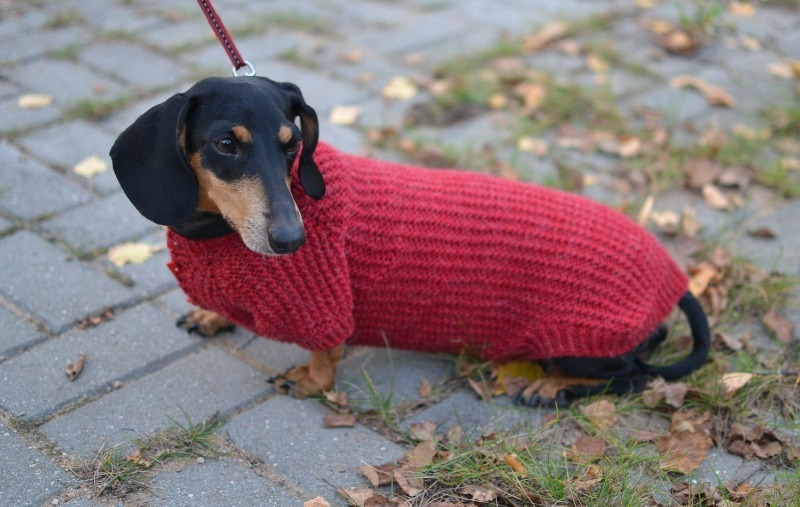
(557, 391)
(205, 323)
(300, 383)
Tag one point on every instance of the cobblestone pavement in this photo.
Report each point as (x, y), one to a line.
(105, 62)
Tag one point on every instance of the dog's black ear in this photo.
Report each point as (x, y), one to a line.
(310, 176)
(150, 164)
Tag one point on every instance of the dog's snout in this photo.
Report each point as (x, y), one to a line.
(285, 239)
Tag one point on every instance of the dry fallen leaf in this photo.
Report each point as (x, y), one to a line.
(344, 115)
(379, 476)
(750, 43)
(317, 502)
(527, 370)
(690, 226)
(90, 166)
(536, 147)
(358, 496)
(334, 420)
(671, 393)
(421, 456)
(762, 233)
(481, 389)
(601, 413)
(513, 461)
(34, 101)
(423, 432)
(701, 171)
(701, 276)
(425, 388)
(532, 94)
(411, 486)
(337, 398)
(715, 198)
(646, 211)
(683, 451)
(138, 459)
(352, 56)
(732, 382)
(742, 9)
(778, 325)
(497, 101)
(547, 34)
(781, 69)
(586, 449)
(478, 494)
(399, 88)
(715, 95)
(132, 253)
(75, 368)
(678, 41)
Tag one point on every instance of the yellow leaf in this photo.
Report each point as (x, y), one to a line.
(647, 210)
(498, 101)
(34, 101)
(131, 253)
(644, 4)
(517, 369)
(90, 166)
(597, 64)
(400, 88)
(537, 147)
(750, 43)
(317, 502)
(781, 69)
(715, 198)
(344, 115)
(732, 382)
(743, 10)
(701, 278)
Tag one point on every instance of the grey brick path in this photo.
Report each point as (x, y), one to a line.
(142, 372)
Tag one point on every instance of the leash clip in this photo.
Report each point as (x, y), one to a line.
(250, 71)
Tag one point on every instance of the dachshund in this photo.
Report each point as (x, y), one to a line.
(275, 231)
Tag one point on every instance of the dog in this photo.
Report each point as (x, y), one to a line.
(270, 229)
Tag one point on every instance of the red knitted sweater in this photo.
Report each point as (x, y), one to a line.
(442, 260)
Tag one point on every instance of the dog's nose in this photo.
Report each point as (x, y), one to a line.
(286, 240)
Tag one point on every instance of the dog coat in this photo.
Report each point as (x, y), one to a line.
(441, 261)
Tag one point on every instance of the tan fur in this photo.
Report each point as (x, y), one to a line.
(284, 134)
(242, 134)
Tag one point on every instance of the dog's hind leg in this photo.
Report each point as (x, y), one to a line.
(204, 322)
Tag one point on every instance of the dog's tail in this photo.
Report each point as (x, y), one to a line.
(701, 336)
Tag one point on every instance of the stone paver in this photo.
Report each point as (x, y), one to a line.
(217, 483)
(133, 343)
(190, 390)
(29, 478)
(141, 370)
(285, 434)
(51, 285)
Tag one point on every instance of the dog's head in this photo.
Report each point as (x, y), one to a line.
(225, 146)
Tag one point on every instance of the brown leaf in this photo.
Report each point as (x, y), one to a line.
(547, 34)
(683, 451)
(586, 449)
(478, 494)
(715, 95)
(424, 431)
(778, 325)
(410, 486)
(74, 369)
(379, 476)
(138, 459)
(513, 461)
(421, 456)
(532, 94)
(678, 41)
(481, 389)
(425, 388)
(740, 448)
(732, 382)
(673, 394)
(455, 436)
(317, 502)
(356, 496)
(689, 224)
(701, 171)
(715, 198)
(762, 233)
(742, 9)
(34, 101)
(601, 413)
(701, 276)
(766, 450)
(730, 342)
(377, 500)
(334, 420)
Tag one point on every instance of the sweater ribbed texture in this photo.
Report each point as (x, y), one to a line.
(442, 261)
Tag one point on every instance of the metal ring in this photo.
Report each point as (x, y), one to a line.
(251, 71)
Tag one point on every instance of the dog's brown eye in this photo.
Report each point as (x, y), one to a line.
(292, 146)
(225, 145)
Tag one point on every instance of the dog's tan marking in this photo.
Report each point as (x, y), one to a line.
(315, 377)
(238, 201)
(284, 134)
(242, 134)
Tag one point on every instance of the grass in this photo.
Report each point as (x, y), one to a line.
(94, 109)
(114, 472)
(285, 20)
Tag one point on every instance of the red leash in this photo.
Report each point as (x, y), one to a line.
(225, 38)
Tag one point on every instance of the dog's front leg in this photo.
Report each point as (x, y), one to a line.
(204, 322)
(313, 378)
